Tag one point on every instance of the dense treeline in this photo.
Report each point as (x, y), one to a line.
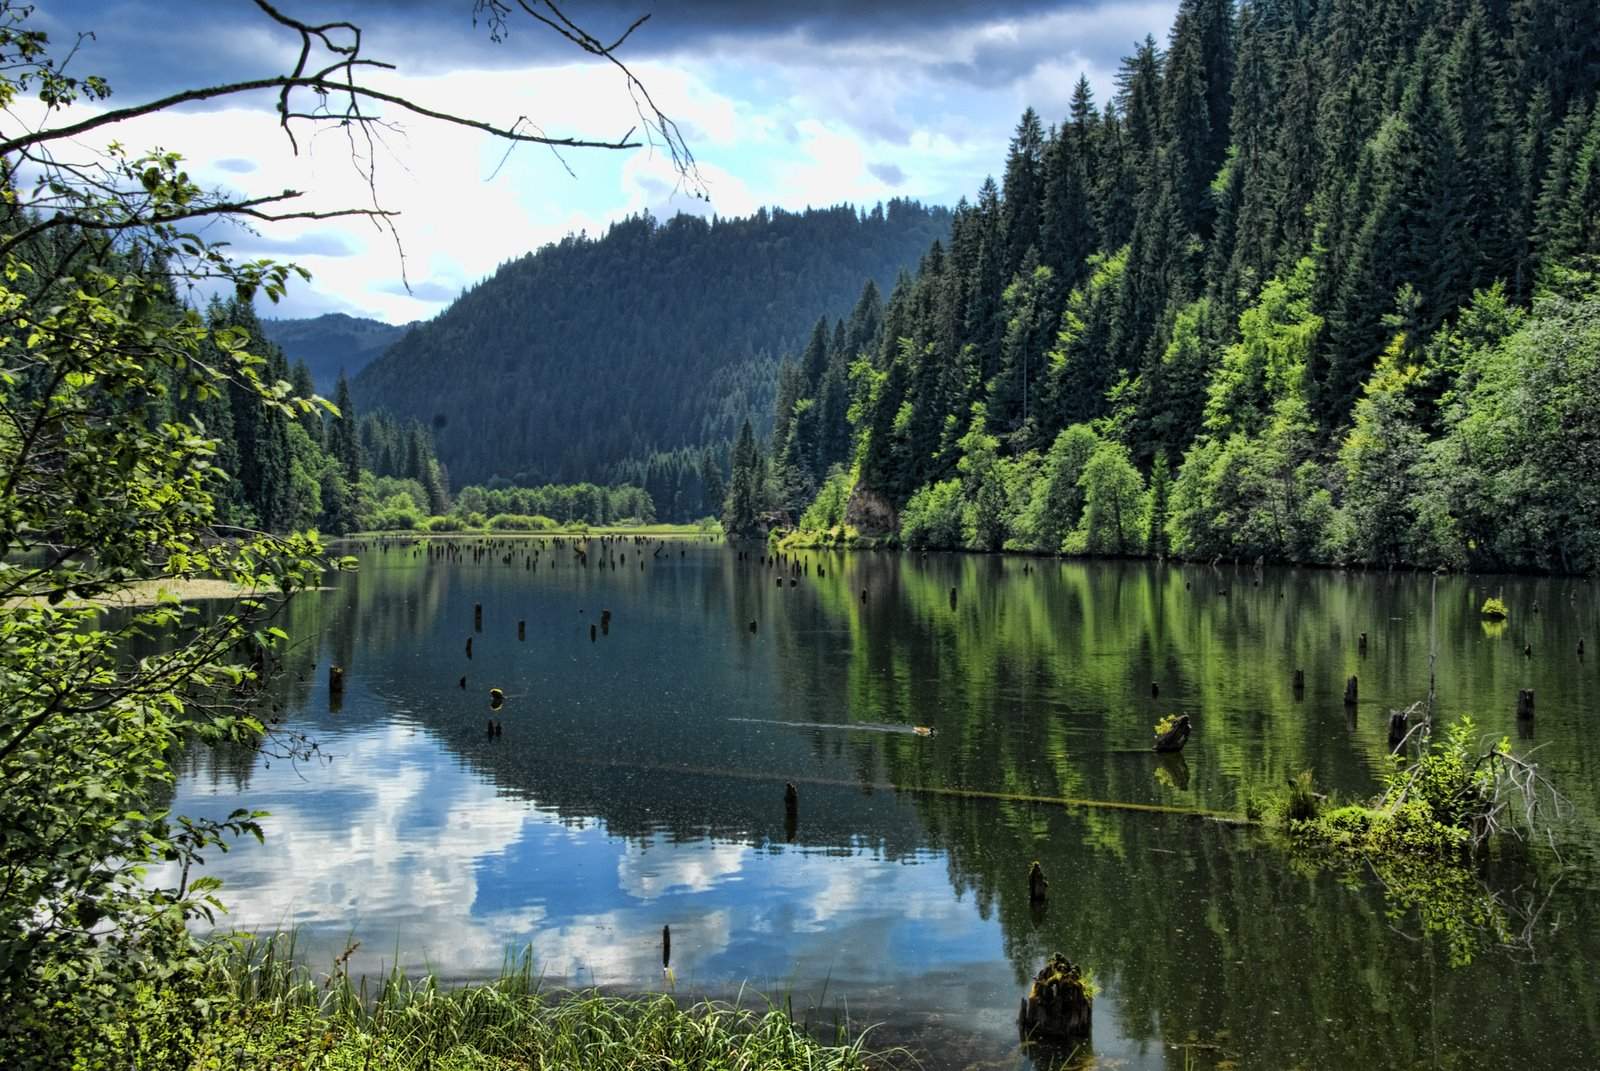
(571, 361)
(281, 473)
(684, 484)
(578, 503)
(1314, 285)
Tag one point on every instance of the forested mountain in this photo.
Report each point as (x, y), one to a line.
(658, 336)
(1314, 285)
(280, 472)
(332, 343)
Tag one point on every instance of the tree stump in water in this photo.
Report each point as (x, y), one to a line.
(336, 679)
(1299, 680)
(1525, 703)
(497, 699)
(1397, 728)
(1038, 884)
(1056, 1008)
(1351, 688)
(1174, 738)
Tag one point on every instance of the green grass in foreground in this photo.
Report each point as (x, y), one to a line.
(265, 1012)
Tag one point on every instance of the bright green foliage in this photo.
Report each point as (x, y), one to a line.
(1380, 458)
(1352, 311)
(1419, 833)
(933, 516)
(1494, 608)
(579, 503)
(1515, 467)
(984, 522)
(1155, 539)
(827, 511)
(270, 1013)
(1277, 337)
(1056, 500)
(103, 486)
(1114, 507)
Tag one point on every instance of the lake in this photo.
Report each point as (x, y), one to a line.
(639, 782)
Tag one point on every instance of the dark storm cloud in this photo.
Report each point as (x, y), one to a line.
(147, 48)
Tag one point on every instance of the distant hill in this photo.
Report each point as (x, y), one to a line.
(331, 342)
(656, 336)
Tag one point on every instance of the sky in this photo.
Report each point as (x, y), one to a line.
(783, 104)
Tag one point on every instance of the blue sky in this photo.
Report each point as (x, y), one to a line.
(783, 104)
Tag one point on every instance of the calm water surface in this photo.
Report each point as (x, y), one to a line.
(639, 783)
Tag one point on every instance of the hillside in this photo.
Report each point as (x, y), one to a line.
(656, 336)
(330, 343)
(1319, 283)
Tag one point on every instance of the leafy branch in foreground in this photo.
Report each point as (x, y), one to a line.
(109, 478)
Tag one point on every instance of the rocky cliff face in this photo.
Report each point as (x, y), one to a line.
(870, 513)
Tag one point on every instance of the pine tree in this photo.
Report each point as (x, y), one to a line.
(343, 437)
(1022, 192)
(746, 487)
(713, 487)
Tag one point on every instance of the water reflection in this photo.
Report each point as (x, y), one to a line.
(640, 783)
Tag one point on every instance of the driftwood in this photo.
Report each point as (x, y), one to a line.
(1056, 1007)
(1174, 738)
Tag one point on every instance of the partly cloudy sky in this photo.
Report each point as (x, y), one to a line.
(784, 104)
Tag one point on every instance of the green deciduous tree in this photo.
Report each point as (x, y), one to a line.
(113, 496)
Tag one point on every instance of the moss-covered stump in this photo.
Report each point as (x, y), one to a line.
(1058, 1007)
(1171, 734)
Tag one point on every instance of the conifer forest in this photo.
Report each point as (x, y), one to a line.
(1054, 535)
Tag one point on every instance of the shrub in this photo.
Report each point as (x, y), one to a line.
(1494, 609)
(521, 522)
(933, 516)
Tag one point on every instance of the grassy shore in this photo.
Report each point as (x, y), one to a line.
(150, 592)
(268, 1012)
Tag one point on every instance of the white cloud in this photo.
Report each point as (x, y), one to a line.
(783, 119)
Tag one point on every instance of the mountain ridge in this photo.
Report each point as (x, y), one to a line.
(656, 336)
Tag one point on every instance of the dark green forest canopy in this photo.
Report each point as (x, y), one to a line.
(657, 336)
(332, 343)
(1314, 285)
